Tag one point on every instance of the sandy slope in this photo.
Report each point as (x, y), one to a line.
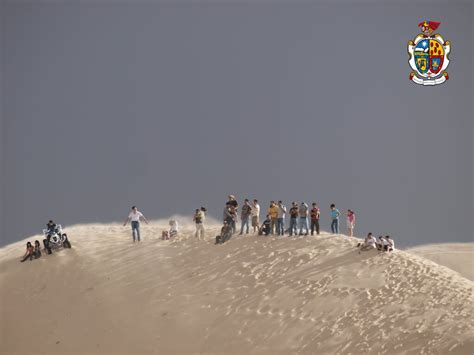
(457, 256)
(262, 295)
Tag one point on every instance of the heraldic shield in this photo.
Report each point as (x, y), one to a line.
(429, 56)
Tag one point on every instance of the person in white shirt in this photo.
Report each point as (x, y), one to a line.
(199, 218)
(173, 228)
(255, 212)
(369, 243)
(388, 244)
(134, 218)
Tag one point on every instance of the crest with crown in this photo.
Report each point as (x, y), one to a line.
(429, 55)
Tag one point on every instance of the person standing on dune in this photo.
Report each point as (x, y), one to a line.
(334, 219)
(134, 218)
(273, 213)
(245, 217)
(230, 212)
(294, 213)
(281, 218)
(198, 218)
(304, 211)
(351, 218)
(255, 216)
(315, 213)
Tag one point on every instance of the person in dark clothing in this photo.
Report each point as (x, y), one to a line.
(266, 226)
(226, 233)
(51, 227)
(294, 213)
(30, 252)
(37, 249)
(47, 244)
(315, 213)
(66, 242)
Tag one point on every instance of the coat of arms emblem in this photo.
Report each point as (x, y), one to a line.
(429, 55)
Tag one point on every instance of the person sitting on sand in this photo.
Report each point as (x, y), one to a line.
(389, 244)
(226, 233)
(369, 243)
(30, 252)
(266, 227)
(173, 232)
(37, 251)
(380, 243)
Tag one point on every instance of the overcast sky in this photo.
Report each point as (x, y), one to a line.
(174, 106)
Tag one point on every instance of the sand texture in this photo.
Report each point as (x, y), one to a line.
(252, 295)
(456, 256)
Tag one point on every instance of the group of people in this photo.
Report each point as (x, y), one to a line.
(302, 219)
(32, 252)
(384, 244)
(52, 230)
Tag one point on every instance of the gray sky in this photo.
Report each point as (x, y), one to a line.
(174, 106)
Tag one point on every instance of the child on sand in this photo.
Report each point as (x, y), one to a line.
(350, 222)
(30, 252)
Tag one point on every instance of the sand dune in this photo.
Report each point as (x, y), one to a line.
(257, 295)
(456, 256)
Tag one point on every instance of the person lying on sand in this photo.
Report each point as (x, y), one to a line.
(30, 252)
